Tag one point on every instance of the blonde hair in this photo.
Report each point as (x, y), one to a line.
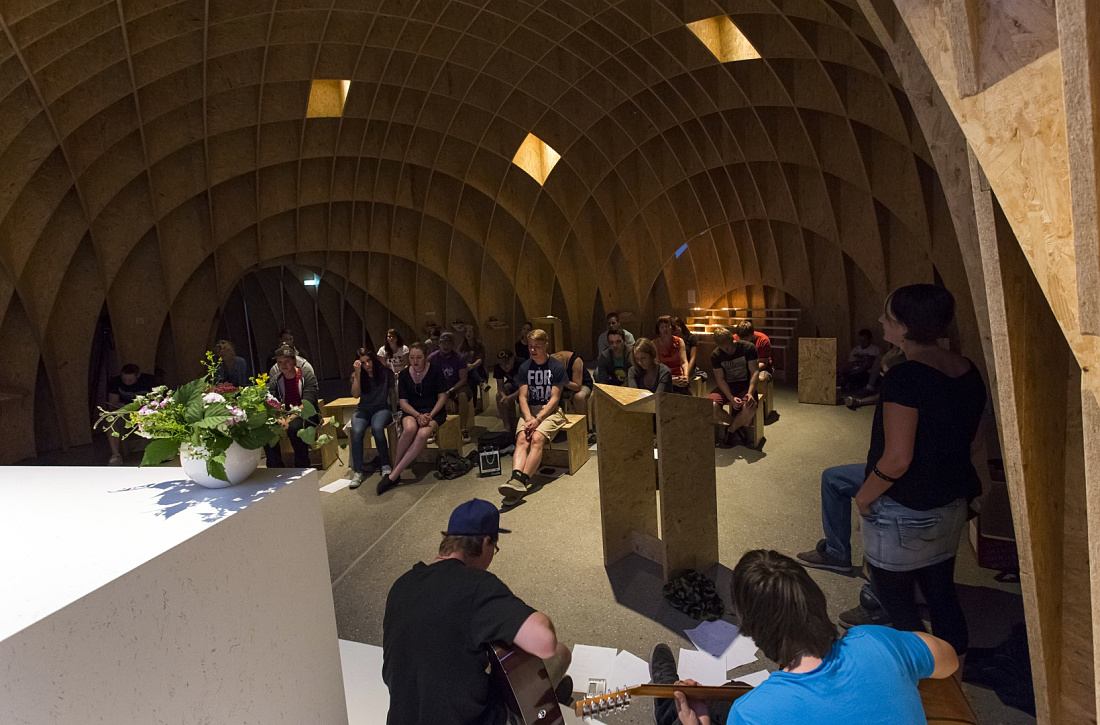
(645, 346)
(722, 336)
(539, 335)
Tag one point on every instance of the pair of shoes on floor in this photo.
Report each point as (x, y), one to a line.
(820, 558)
(115, 460)
(356, 480)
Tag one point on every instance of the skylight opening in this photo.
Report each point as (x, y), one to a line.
(326, 98)
(681, 250)
(724, 39)
(536, 158)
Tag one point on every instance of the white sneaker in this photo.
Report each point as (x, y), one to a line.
(356, 481)
(386, 470)
(116, 460)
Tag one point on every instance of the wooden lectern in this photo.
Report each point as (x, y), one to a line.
(677, 525)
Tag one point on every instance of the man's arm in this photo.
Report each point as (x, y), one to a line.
(524, 409)
(537, 636)
(943, 655)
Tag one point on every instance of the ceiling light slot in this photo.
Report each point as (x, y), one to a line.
(327, 98)
(536, 157)
(724, 39)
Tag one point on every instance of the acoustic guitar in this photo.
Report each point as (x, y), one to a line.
(520, 681)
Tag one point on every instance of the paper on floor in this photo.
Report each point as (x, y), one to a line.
(627, 670)
(741, 652)
(590, 662)
(367, 696)
(714, 638)
(336, 485)
(753, 678)
(701, 667)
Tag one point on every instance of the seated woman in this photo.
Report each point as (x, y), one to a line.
(372, 383)
(647, 372)
(423, 395)
(505, 373)
(691, 344)
(673, 353)
(473, 349)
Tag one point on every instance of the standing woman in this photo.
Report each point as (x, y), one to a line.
(423, 397)
(648, 372)
(522, 351)
(673, 353)
(394, 353)
(372, 383)
(919, 474)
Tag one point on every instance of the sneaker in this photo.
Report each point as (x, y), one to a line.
(851, 402)
(662, 666)
(386, 470)
(465, 436)
(820, 558)
(115, 460)
(592, 438)
(512, 489)
(858, 615)
(356, 480)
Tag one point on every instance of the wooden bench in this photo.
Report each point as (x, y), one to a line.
(448, 437)
(569, 449)
(756, 427)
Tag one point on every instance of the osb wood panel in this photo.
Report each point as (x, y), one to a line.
(688, 493)
(817, 370)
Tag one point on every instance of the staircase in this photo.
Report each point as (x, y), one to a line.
(777, 323)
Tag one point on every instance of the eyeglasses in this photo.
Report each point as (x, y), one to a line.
(496, 548)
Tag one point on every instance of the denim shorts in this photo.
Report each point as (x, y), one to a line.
(898, 538)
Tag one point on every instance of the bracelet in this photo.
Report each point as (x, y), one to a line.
(883, 476)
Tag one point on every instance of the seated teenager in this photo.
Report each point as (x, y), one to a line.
(863, 360)
(473, 349)
(372, 383)
(673, 353)
(122, 389)
(747, 331)
(647, 372)
(422, 394)
(522, 351)
(614, 362)
(231, 368)
(578, 386)
(452, 365)
(682, 331)
(505, 372)
(394, 353)
(613, 326)
(541, 379)
(735, 376)
(292, 386)
(869, 676)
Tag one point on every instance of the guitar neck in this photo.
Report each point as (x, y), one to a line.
(694, 692)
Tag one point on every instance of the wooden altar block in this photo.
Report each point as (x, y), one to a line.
(688, 487)
(628, 473)
(817, 370)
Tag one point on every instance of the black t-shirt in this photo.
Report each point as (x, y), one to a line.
(438, 619)
(541, 379)
(126, 393)
(374, 391)
(508, 376)
(949, 411)
(522, 351)
(586, 377)
(735, 366)
(422, 395)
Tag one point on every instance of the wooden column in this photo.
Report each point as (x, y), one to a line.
(817, 370)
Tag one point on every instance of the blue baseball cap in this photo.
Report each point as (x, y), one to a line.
(475, 518)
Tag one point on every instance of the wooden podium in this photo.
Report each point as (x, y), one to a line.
(677, 525)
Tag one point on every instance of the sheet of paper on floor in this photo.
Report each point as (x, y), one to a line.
(627, 670)
(741, 652)
(336, 485)
(701, 667)
(754, 678)
(714, 638)
(590, 662)
(367, 696)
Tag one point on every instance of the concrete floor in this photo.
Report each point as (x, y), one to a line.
(554, 558)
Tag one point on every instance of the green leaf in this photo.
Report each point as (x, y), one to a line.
(160, 450)
(308, 409)
(213, 421)
(309, 435)
(215, 466)
(252, 438)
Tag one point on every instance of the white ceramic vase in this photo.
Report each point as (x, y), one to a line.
(239, 465)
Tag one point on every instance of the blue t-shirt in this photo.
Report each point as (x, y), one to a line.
(869, 677)
(541, 379)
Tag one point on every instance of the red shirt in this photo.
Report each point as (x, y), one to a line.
(292, 389)
(671, 357)
(763, 346)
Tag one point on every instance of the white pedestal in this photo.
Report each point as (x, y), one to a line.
(134, 596)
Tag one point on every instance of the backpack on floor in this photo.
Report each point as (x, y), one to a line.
(451, 465)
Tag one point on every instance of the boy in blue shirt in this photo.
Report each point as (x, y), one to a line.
(868, 676)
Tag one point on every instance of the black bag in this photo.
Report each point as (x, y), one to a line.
(694, 595)
(451, 465)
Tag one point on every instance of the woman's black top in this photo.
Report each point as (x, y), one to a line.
(422, 395)
(522, 352)
(949, 411)
(374, 390)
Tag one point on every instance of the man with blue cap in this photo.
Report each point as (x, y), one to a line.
(440, 616)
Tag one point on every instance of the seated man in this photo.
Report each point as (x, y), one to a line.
(292, 386)
(452, 364)
(867, 676)
(747, 331)
(614, 362)
(286, 339)
(863, 360)
(735, 375)
(578, 386)
(541, 379)
(505, 372)
(613, 326)
(232, 368)
(440, 617)
(121, 390)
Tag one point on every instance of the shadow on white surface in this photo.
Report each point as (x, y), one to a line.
(210, 504)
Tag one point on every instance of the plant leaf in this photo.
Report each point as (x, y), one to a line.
(309, 435)
(215, 466)
(308, 409)
(160, 450)
(213, 420)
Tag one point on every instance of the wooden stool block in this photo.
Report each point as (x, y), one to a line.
(699, 387)
(449, 436)
(766, 391)
(322, 457)
(575, 436)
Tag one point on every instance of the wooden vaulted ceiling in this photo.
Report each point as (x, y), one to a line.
(153, 152)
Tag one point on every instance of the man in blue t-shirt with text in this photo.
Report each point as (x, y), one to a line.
(869, 676)
(541, 379)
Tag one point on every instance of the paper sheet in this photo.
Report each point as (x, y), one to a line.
(741, 652)
(754, 678)
(701, 667)
(590, 662)
(714, 638)
(627, 670)
(336, 485)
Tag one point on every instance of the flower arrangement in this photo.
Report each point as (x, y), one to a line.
(208, 417)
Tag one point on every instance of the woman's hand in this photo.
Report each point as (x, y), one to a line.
(864, 505)
(680, 381)
(424, 419)
(356, 365)
(691, 712)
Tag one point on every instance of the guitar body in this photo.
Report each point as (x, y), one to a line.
(520, 681)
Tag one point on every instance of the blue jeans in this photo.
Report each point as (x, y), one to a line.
(377, 423)
(839, 485)
(898, 538)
